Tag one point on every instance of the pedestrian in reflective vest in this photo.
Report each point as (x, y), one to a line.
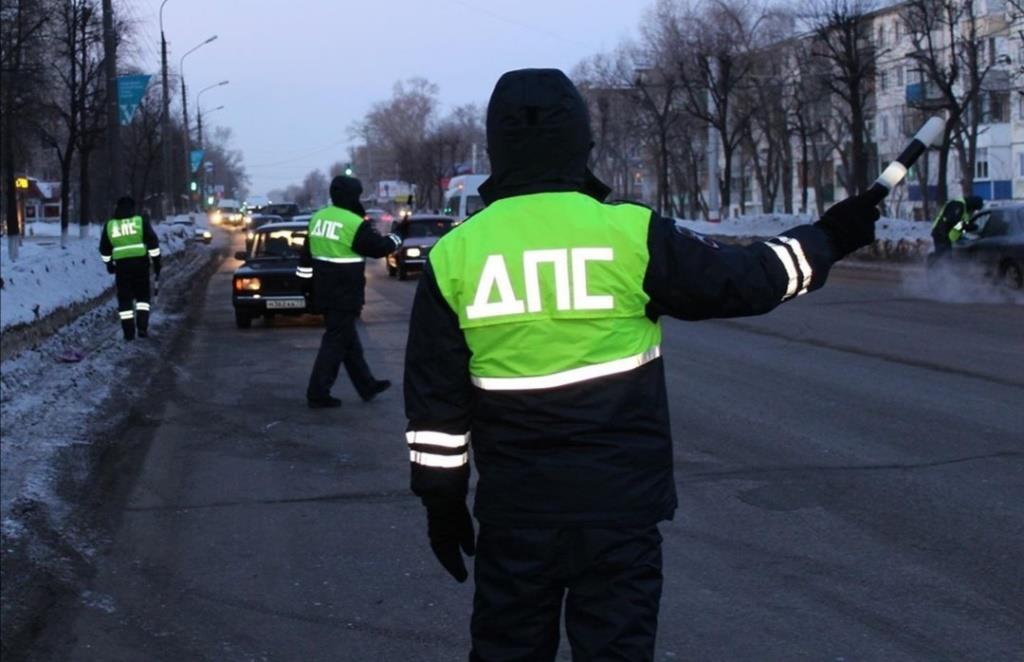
(333, 261)
(128, 244)
(535, 338)
(951, 222)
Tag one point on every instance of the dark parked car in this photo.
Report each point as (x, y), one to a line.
(419, 233)
(995, 239)
(266, 284)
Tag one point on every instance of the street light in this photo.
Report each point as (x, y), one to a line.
(165, 132)
(184, 102)
(199, 111)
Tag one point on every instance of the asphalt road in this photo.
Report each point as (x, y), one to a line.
(850, 468)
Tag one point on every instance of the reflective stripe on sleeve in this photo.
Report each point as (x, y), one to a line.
(801, 262)
(789, 265)
(566, 377)
(395, 238)
(142, 305)
(432, 438)
(126, 314)
(154, 252)
(106, 258)
(304, 272)
(439, 461)
(340, 260)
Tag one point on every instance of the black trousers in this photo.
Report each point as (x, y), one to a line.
(609, 579)
(340, 344)
(132, 280)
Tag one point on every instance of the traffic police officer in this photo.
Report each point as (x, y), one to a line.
(128, 244)
(951, 222)
(535, 336)
(333, 259)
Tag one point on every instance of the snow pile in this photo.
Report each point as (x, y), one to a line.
(46, 277)
(769, 225)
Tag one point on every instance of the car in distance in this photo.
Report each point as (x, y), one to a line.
(380, 218)
(995, 239)
(228, 212)
(196, 231)
(419, 233)
(285, 210)
(265, 284)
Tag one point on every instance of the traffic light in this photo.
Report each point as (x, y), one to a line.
(193, 186)
(210, 200)
(348, 170)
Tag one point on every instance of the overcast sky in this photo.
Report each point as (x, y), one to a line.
(302, 71)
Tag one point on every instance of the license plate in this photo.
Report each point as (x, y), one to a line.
(286, 303)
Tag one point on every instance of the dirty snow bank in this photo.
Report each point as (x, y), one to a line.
(47, 278)
(60, 421)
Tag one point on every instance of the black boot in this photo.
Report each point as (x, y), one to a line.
(379, 386)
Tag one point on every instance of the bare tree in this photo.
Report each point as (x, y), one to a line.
(950, 52)
(22, 77)
(715, 61)
(842, 39)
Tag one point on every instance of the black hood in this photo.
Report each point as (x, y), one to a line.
(538, 137)
(345, 192)
(125, 208)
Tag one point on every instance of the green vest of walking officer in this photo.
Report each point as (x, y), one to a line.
(952, 220)
(333, 258)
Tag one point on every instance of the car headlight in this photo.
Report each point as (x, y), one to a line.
(247, 284)
(207, 235)
(250, 235)
(412, 252)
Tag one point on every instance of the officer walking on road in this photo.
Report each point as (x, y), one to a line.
(952, 221)
(535, 336)
(333, 258)
(128, 245)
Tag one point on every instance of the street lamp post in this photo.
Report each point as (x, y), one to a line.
(206, 168)
(184, 110)
(165, 132)
(199, 111)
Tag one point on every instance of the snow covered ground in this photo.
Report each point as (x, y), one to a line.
(60, 418)
(769, 225)
(46, 277)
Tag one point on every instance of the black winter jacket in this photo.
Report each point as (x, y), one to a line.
(152, 247)
(341, 286)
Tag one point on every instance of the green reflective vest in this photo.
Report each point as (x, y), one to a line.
(548, 289)
(125, 236)
(331, 232)
(957, 230)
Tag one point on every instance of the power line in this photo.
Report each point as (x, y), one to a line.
(298, 158)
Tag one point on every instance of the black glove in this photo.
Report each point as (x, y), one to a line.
(450, 526)
(850, 224)
(156, 266)
(110, 267)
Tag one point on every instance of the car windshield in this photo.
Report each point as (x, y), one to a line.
(433, 228)
(228, 210)
(278, 244)
(260, 221)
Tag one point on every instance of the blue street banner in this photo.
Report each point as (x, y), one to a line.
(130, 90)
(195, 159)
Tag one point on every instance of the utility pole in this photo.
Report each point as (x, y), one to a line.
(167, 196)
(115, 187)
(184, 110)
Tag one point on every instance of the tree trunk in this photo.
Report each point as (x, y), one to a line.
(725, 183)
(84, 194)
